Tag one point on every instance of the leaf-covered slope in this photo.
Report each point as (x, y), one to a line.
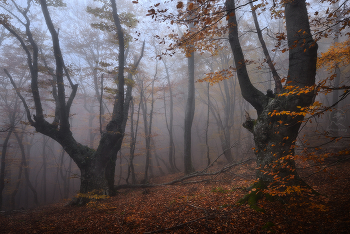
(196, 208)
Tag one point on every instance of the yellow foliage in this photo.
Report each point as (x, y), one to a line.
(215, 77)
(337, 55)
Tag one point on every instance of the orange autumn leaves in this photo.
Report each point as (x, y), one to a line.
(203, 22)
(337, 55)
(215, 77)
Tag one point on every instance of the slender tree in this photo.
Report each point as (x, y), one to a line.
(147, 122)
(170, 124)
(190, 109)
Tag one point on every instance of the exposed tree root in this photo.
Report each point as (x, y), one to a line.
(258, 191)
(254, 195)
(81, 199)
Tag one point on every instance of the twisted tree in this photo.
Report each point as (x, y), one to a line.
(279, 118)
(97, 167)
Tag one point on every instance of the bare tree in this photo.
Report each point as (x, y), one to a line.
(170, 124)
(189, 111)
(97, 167)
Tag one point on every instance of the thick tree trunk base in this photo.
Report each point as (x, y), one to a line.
(83, 199)
(255, 194)
(297, 190)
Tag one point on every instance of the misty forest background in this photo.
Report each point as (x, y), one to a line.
(37, 171)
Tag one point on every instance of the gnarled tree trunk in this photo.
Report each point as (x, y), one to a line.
(97, 166)
(275, 135)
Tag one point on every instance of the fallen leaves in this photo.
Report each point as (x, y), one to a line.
(193, 208)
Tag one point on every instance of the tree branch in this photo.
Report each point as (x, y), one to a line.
(118, 113)
(64, 122)
(192, 175)
(276, 77)
(255, 97)
(21, 97)
(33, 67)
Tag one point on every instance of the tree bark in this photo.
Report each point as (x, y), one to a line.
(45, 141)
(276, 77)
(133, 133)
(189, 114)
(223, 129)
(110, 170)
(28, 148)
(12, 119)
(148, 128)
(3, 164)
(97, 167)
(337, 73)
(26, 171)
(170, 125)
(18, 182)
(157, 157)
(275, 135)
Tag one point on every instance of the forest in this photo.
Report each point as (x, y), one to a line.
(177, 116)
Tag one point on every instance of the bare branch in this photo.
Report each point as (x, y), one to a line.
(195, 174)
(64, 122)
(276, 77)
(255, 97)
(21, 97)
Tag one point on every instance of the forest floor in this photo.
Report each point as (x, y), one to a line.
(206, 207)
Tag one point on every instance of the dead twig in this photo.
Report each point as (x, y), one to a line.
(198, 174)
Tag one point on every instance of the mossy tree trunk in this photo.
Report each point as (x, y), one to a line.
(275, 135)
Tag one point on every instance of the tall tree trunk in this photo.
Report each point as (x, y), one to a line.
(157, 157)
(148, 129)
(224, 132)
(65, 174)
(275, 135)
(133, 133)
(12, 119)
(28, 148)
(68, 176)
(3, 164)
(207, 127)
(147, 142)
(110, 170)
(91, 133)
(171, 120)
(45, 141)
(335, 93)
(15, 190)
(57, 182)
(26, 171)
(120, 167)
(228, 119)
(189, 114)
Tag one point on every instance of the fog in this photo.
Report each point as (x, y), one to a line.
(36, 167)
